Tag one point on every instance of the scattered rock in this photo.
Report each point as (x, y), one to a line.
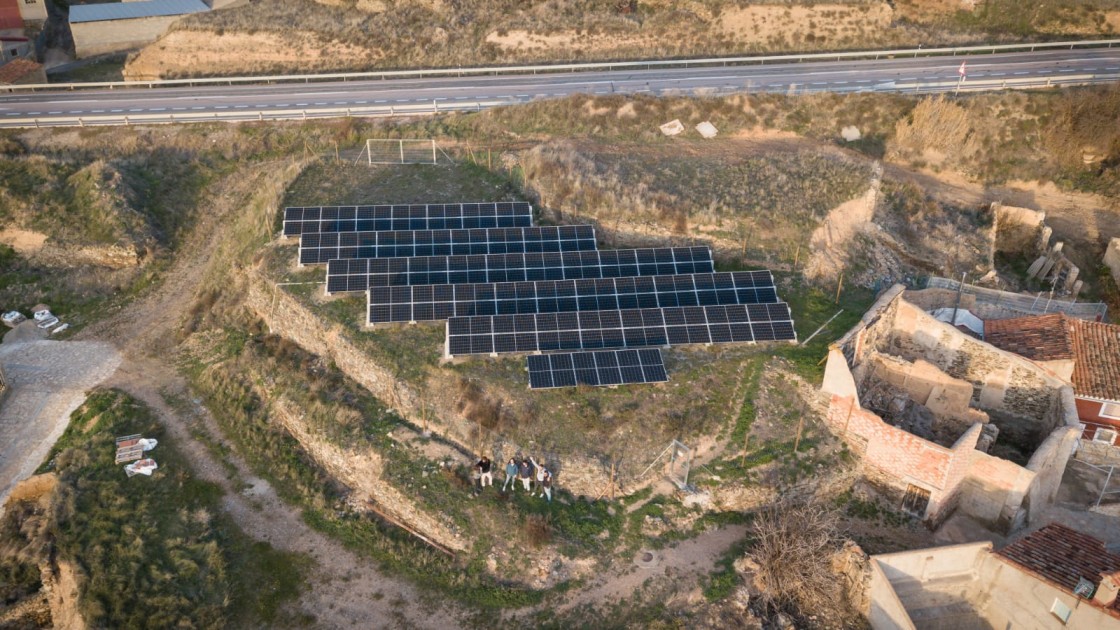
(698, 499)
(850, 133)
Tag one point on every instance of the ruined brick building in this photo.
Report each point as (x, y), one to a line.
(943, 421)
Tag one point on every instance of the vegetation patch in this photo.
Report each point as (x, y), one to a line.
(150, 552)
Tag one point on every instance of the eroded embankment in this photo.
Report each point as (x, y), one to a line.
(441, 407)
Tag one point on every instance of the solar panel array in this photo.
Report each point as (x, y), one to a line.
(506, 286)
(609, 367)
(420, 303)
(321, 248)
(361, 274)
(632, 328)
(432, 216)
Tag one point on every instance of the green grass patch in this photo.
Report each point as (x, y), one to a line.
(156, 552)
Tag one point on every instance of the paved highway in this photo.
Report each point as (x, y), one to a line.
(406, 96)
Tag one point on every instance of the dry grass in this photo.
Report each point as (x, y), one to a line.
(305, 35)
(792, 548)
(725, 192)
(936, 124)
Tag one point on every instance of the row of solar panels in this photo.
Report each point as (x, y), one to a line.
(509, 288)
(420, 303)
(436, 216)
(320, 248)
(633, 328)
(607, 367)
(361, 274)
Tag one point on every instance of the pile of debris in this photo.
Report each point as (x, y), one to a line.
(43, 318)
(131, 448)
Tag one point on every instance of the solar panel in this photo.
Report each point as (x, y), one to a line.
(360, 274)
(632, 328)
(422, 303)
(603, 368)
(319, 248)
(432, 216)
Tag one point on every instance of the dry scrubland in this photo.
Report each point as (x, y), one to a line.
(307, 36)
(311, 426)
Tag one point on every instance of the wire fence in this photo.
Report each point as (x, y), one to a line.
(1039, 304)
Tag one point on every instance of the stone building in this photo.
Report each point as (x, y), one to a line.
(117, 26)
(1052, 579)
(942, 421)
(1084, 354)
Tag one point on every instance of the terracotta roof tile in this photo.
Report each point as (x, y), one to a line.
(1039, 337)
(1061, 556)
(1096, 368)
(1094, 347)
(16, 69)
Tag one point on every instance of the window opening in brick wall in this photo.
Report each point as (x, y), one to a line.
(1105, 435)
(1111, 410)
(916, 500)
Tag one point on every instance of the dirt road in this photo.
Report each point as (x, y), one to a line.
(344, 589)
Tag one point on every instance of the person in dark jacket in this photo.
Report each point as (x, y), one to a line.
(485, 477)
(525, 474)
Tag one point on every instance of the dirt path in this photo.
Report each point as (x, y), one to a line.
(344, 590)
(682, 565)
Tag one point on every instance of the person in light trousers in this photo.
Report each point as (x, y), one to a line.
(511, 475)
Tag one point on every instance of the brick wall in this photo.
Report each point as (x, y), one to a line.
(895, 459)
(1034, 410)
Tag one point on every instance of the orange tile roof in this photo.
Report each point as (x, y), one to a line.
(16, 69)
(1094, 347)
(1038, 337)
(1061, 556)
(1096, 368)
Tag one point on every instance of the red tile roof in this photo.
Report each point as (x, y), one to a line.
(1094, 347)
(16, 69)
(1096, 368)
(1061, 556)
(1039, 337)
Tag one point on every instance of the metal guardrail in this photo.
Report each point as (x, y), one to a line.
(575, 67)
(438, 106)
(1040, 304)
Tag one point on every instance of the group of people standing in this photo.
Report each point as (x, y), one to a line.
(524, 471)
